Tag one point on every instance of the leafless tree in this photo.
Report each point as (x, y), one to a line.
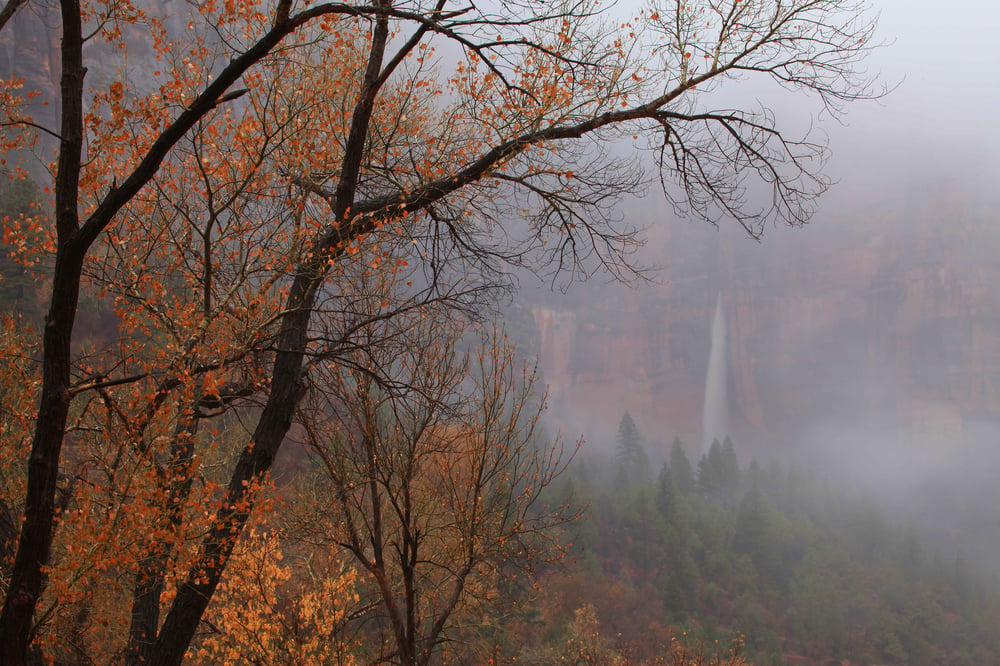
(435, 473)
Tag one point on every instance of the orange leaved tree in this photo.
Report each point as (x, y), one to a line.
(224, 170)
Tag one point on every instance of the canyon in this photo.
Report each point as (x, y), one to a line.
(882, 313)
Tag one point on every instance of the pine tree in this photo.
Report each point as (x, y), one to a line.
(666, 494)
(629, 440)
(751, 526)
(711, 473)
(680, 468)
(730, 472)
(633, 463)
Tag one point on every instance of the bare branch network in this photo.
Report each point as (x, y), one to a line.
(259, 190)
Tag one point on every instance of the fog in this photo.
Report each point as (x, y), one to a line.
(865, 344)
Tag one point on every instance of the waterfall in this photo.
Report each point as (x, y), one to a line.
(715, 409)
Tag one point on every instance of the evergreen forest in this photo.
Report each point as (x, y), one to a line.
(785, 563)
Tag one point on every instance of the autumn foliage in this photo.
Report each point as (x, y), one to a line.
(244, 201)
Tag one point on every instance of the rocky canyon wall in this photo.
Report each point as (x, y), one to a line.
(881, 314)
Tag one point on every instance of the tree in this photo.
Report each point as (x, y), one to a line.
(18, 381)
(494, 163)
(752, 536)
(680, 468)
(730, 467)
(710, 471)
(633, 463)
(719, 472)
(584, 644)
(434, 478)
(666, 493)
(261, 614)
(19, 204)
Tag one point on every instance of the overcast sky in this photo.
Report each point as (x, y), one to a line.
(942, 118)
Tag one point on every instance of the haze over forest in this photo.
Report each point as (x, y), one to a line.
(283, 428)
(865, 343)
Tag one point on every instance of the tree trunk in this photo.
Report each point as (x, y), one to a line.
(286, 390)
(149, 579)
(255, 460)
(17, 616)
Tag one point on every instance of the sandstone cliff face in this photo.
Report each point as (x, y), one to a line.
(889, 318)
